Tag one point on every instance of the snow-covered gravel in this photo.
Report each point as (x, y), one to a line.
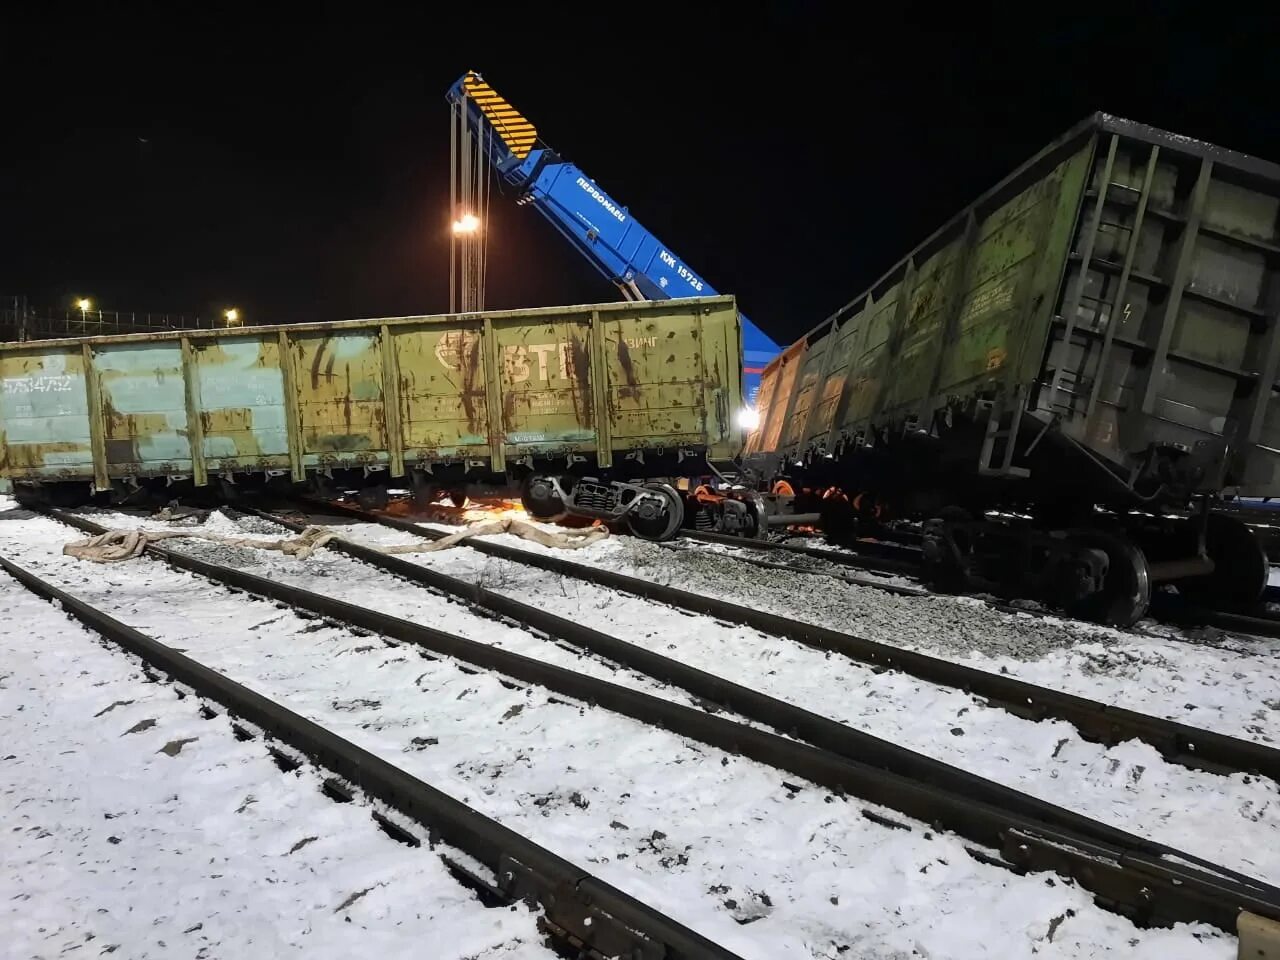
(134, 826)
(1206, 678)
(726, 845)
(1233, 821)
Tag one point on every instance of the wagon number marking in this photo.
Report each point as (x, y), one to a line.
(60, 384)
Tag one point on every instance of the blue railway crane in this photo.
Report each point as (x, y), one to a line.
(597, 226)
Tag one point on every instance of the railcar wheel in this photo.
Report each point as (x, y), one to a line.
(541, 498)
(839, 523)
(458, 497)
(323, 488)
(658, 517)
(1240, 566)
(1126, 588)
(947, 550)
(29, 494)
(372, 498)
(756, 519)
(424, 491)
(228, 492)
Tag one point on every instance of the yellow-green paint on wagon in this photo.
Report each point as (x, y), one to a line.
(388, 394)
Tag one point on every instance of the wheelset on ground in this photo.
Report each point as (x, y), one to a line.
(658, 515)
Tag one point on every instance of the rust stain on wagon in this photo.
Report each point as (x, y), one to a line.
(579, 376)
(460, 351)
(470, 364)
(508, 410)
(632, 389)
(346, 394)
(656, 388)
(122, 452)
(315, 367)
(31, 457)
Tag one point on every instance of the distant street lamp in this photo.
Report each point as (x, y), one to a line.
(84, 305)
(468, 224)
(233, 316)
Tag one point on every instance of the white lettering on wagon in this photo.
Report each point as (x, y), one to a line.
(538, 361)
(25, 385)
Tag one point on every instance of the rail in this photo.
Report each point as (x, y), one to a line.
(1167, 608)
(579, 909)
(1150, 883)
(875, 555)
(1102, 723)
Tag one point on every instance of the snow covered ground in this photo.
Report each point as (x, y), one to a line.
(1129, 785)
(134, 826)
(762, 864)
(1206, 677)
(1233, 821)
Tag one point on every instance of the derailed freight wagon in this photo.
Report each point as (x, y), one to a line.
(581, 407)
(1093, 345)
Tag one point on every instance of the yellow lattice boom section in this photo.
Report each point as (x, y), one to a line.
(516, 132)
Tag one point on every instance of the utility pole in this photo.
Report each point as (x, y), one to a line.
(469, 178)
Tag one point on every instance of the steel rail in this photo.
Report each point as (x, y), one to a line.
(1178, 743)
(876, 557)
(893, 588)
(1187, 615)
(1150, 883)
(579, 910)
(708, 688)
(1171, 610)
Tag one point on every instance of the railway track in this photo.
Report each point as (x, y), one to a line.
(122, 790)
(1178, 743)
(884, 558)
(1166, 608)
(579, 910)
(755, 552)
(1137, 878)
(874, 819)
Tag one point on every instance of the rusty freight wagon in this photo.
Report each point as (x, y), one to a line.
(585, 408)
(1093, 345)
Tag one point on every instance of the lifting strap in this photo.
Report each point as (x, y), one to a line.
(116, 545)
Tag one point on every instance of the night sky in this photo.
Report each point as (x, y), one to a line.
(294, 162)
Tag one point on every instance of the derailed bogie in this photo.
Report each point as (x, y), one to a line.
(734, 512)
(1090, 574)
(1108, 572)
(651, 509)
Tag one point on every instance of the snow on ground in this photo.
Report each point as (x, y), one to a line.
(762, 864)
(136, 827)
(332, 574)
(1182, 675)
(1233, 821)
(1206, 678)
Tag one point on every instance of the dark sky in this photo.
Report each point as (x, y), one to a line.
(292, 160)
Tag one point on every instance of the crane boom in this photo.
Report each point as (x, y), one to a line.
(596, 225)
